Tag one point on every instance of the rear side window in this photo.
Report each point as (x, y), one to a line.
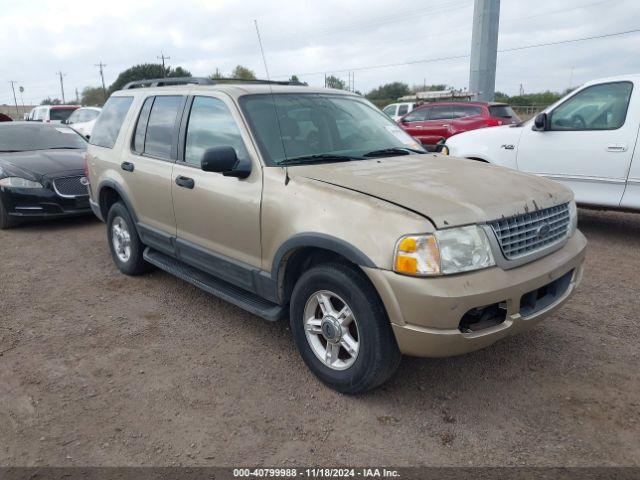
(161, 131)
(502, 111)
(403, 109)
(466, 111)
(107, 127)
(60, 113)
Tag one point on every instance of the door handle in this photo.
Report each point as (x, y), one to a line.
(185, 182)
(617, 147)
(127, 166)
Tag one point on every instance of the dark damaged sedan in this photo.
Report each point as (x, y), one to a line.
(41, 172)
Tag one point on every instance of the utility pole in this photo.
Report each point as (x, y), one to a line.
(101, 66)
(484, 49)
(15, 100)
(62, 85)
(163, 58)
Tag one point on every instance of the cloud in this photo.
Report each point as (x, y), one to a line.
(309, 38)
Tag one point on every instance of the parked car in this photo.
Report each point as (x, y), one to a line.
(587, 141)
(83, 119)
(397, 110)
(5, 118)
(435, 122)
(312, 204)
(51, 113)
(41, 173)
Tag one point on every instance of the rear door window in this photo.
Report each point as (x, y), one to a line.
(403, 109)
(107, 127)
(161, 128)
(141, 126)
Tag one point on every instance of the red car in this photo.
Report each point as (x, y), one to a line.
(434, 122)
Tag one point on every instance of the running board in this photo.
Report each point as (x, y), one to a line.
(213, 285)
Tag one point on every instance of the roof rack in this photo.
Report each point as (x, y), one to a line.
(163, 82)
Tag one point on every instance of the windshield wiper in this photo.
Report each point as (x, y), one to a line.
(10, 151)
(317, 158)
(387, 152)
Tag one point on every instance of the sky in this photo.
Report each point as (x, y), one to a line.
(310, 38)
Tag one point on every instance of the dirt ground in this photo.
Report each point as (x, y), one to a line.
(102, 369)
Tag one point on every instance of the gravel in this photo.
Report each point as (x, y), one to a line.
(97, 368)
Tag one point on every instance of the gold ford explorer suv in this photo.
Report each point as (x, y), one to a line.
(311, 204)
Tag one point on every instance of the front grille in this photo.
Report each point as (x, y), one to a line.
(70, 186)
(524, 234)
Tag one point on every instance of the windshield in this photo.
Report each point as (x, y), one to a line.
(60, 113)
(312, 127)
(19, 138)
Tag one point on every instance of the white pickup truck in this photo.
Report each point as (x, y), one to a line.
(587, 141)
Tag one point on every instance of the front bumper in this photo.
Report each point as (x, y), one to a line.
(23, 203)
(425, 313)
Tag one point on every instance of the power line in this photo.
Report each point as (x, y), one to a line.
(163, 58)
(15, 100)
(458, 57)
(62, 85)
(101, 66)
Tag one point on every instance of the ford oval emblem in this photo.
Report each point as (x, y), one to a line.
(84, 181)
(543, 231)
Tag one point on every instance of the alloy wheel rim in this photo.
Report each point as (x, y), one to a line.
(121, 239)
(331, 330)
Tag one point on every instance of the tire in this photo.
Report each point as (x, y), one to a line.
(124, 242)
(377, 356)
(5, 220)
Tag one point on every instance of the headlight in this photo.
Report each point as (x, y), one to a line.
(17, 182)
(448, 251)
(573, 217)
(444, 150)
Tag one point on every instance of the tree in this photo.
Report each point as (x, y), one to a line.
(294, 79)
(93, 97)
(334, 82)
(389, 91)
(146, 71)
(51, 101)
(243, 72)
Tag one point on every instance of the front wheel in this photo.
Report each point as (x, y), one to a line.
(341, 329)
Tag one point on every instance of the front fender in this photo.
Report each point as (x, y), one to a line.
(496, 145)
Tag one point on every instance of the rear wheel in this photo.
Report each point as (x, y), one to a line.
(5, 220)
(341, 329)
(124, 242)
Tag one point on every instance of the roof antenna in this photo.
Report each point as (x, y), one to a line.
(273, 98)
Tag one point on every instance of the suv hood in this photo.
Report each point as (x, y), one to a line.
(448, 191)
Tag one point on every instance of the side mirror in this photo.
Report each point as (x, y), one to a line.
(225, 161)
(541, 122)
